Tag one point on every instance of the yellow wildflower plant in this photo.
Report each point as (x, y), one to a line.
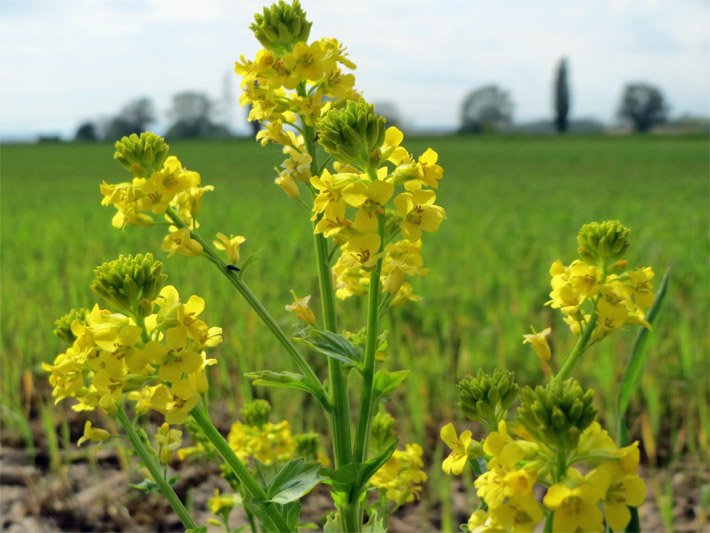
(93, 434)
(400, 478)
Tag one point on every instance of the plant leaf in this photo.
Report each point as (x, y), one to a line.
(332, 345)
(637, 359)
(293, 481)
(386, 381)
(287, 380)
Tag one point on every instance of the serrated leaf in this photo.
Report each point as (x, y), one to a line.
(332, 345)
(293, 481)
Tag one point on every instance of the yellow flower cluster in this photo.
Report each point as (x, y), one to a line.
(159, 361)
(267, 442)
(600, 285)
(400, 478)
(360, 211)
(158, 185)
(520, 464)
(282, 86)
(619, 298)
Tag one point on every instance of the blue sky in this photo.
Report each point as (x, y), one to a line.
(64, 61)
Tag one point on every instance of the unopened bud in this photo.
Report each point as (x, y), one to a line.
(602, 243)
(281, 26)
(141, 155)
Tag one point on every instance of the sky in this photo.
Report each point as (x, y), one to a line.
(66, 61)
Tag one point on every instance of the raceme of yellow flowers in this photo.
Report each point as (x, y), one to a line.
(551, 444)
(151, 346)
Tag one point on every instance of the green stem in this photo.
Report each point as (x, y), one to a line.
(368, 374)
(340, 419)
(251, 486)
(148, 458)
(254, 302)
(577, 351)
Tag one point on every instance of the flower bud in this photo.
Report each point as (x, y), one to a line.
(383, 431)
(558, 413)
(603, 243)
(256, 413)
(130, 283)
(353, 134)
(487, 397)
(62, 326)
(307, 445)
(141, 155)
(281, 26)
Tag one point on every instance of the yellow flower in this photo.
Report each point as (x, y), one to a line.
(401, 476)
(457, 459)
(168, 441)
(180, 241)
(520, 514)
(221, 503)
(366, 249)
(369, 197)
(92, 434)
(300, 307)
(539, 343)
(625, 489)
(288, 185)
(418, 213)
(268, 443)
(175, 359)
(576, 507)
(230, 245)
(391, 150)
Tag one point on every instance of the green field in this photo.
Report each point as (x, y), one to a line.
(514, 205)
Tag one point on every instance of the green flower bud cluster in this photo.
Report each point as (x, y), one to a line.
(558, 413)
(603, 243)
(256, 413)
(382, 430)
(281, 26)
(62, 326)
(130, 283)
(487, 397)
(307, 445)
(141, 155)
(353, 134)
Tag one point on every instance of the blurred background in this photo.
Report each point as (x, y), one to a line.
(545, 115)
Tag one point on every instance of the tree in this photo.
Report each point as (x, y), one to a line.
(561, 97)
(488, 108)
(190, 117)
(134, 117)
(86, 132)
(643, 105)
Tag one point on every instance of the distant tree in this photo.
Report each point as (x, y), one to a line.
(390, 111)
(86, 132)
(561, 96)
(134, 117)
(643, 105)
(190, 117)
(488, 108)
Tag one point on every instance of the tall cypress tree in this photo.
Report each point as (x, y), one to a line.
(561, 96)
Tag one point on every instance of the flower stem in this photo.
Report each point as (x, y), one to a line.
(577, 351)
(368, 375)
(252, 487)
(340, 419)
(254, 302)
(148, 458)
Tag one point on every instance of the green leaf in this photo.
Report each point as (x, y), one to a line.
(637, 359)
(351, 479)
(287, 380)
(332, 345)
(293, 481)
(386, 382)
(374, 524)
(199, 529)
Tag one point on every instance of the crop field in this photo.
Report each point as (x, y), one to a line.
(513, 206)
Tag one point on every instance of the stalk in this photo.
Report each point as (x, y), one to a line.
(340, 419)
(148, 458)
(254, 302)
(577, 351)
(251, 486)
(363, 427)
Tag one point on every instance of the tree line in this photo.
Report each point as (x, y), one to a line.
(641, 106)
(191, 115)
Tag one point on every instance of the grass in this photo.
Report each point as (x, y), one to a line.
(513, 205)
